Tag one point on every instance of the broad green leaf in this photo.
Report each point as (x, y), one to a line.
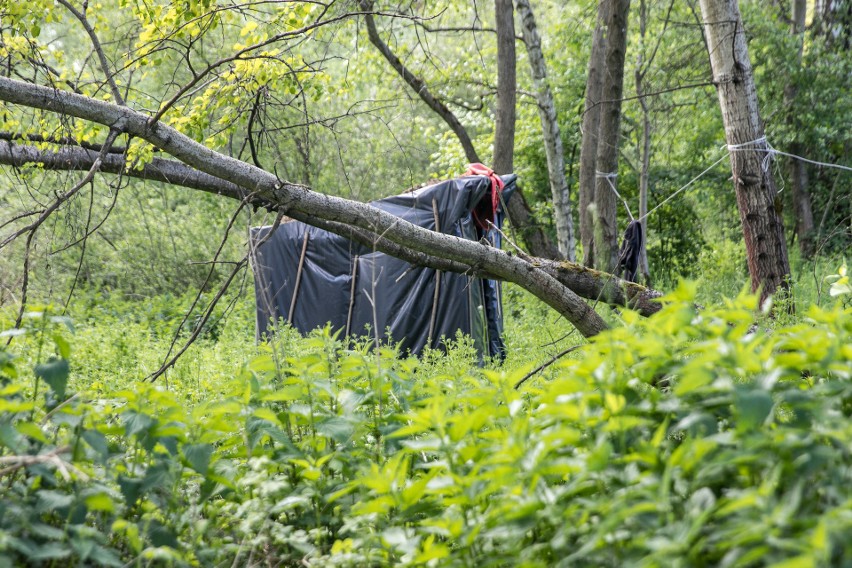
(100, 502)
(753, 408)
(198, 456)
(55, 373)
(51, 551)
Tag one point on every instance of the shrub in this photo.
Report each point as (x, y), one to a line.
(689, 438)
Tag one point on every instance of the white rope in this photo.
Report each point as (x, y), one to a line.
(609, 177)
(770, 151)
(693, 180)
(745, 146)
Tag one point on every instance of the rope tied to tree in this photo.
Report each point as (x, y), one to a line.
(754, 145)
(770, 152)
(609, 177)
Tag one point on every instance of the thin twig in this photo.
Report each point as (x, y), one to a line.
(547, 364)
(96, 45)
(520, 251)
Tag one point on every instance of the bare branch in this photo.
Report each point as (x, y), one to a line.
(96, 45)
(418, 85)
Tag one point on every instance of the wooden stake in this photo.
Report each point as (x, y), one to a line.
(437, 280)
(352, 295)
(298, 277)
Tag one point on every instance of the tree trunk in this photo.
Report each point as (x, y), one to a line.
(520, 215)
(606, 162)
(644, 172)
(802, 210)
(757, 198)
(550, 133)
(590, 127)
(309, 206)
(507, 84)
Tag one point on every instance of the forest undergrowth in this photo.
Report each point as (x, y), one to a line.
(692, 438)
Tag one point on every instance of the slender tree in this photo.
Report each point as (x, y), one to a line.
(644, 173)
(550, 130)
(802, 210)
(590, 127)
(757, 199)
(606, 162)
(507, 85)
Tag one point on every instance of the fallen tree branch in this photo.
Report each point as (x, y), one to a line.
(585, 282)
(65, 468)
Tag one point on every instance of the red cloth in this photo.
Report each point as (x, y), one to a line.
(485, 209)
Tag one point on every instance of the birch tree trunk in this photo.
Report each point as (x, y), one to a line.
(550, 132)
(591, 124)
(757, 198)
(606, 162)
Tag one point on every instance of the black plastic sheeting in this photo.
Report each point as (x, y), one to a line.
(388, 294)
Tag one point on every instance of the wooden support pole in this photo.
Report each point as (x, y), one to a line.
(352, 295)
(298, 277)
(437, 280)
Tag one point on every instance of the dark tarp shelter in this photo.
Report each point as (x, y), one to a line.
(311, 277)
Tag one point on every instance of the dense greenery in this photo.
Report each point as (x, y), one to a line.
(690, 438)
(711, 434)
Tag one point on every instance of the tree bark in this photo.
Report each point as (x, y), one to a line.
(606, 162)
(644, 172)
(520, 214)
(507, 84)
(550, 133)
(590, 127)
(757, 198)
(307, 205)
(585, 282)
(802, 210)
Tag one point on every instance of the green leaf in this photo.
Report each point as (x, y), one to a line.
(49, 500)
(337, 428)
(97, 441)
(100, 502)
(162, 535)
(130, 488)
(803, 561)
(262, 364)
(198, 456)
(32, 430)
(62, 346)
(105, 557)
(753, 407)
(51, 551)
(136, 423)
(11, 438)
(158, 475)
(55, 374)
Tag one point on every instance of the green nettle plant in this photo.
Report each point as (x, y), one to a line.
(692, 438)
